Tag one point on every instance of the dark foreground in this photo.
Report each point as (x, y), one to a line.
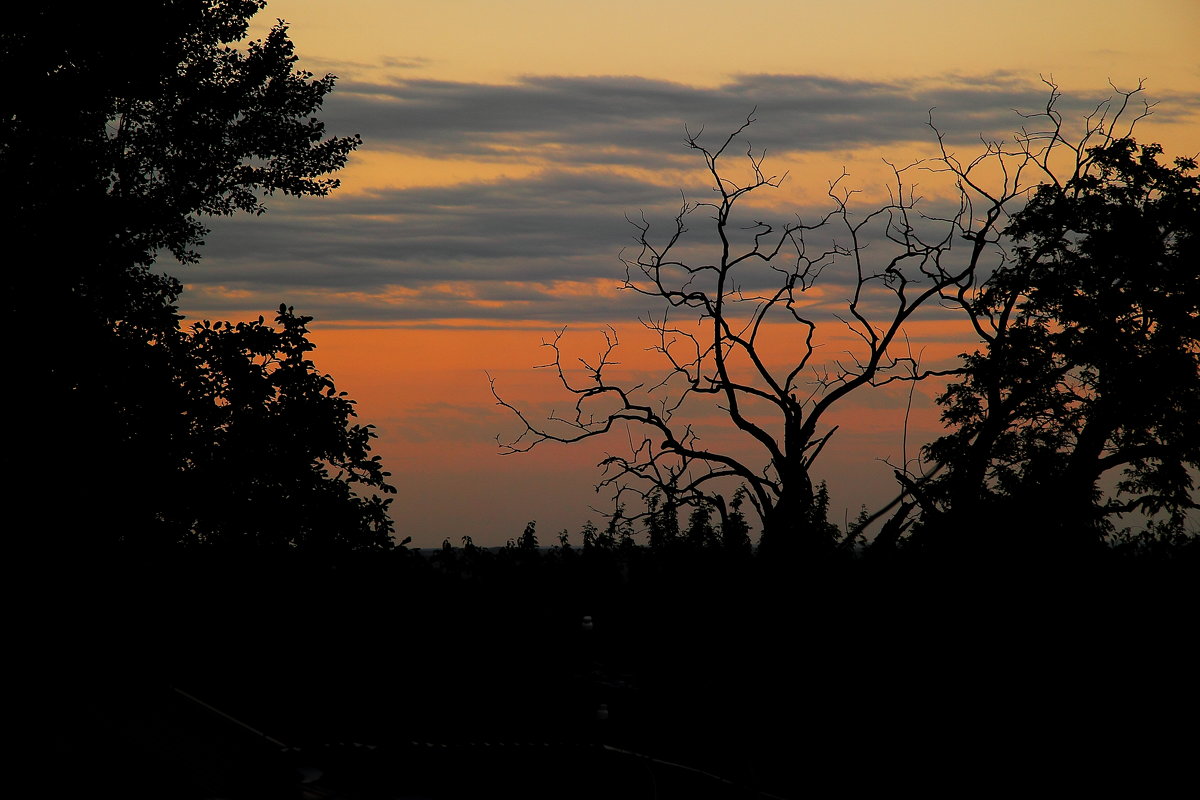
(391, 678)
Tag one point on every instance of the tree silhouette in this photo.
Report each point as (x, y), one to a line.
(121, 132)
(1091, 365)
(753, 292)
(264, 429)
(155, 122)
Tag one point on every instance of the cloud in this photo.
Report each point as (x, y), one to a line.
(553, 225)
(641, 122)
(545, 246)
(410, 62)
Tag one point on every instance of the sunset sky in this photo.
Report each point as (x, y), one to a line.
(504, 143)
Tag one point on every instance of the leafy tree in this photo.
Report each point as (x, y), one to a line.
(662, 520)
(735, 532)
(155, 122)
(528, 539)
(591, 536)
(700, 533)
(270, 456)
(121, 132)
(1082, 407)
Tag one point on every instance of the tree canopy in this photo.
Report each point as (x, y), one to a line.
(1092, 359)
(267, 454)
(121, 133)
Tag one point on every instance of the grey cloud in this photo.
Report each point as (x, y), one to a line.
(556, 225)
(496, 250)
(551, 226)
(411, 62)
(505, 244)
(637, 121)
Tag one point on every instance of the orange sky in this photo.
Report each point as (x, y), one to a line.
(425, 291)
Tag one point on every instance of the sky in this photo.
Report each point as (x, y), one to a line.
(505, 145)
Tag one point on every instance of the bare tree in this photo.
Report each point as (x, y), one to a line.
(726, 311)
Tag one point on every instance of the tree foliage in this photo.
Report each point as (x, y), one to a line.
(1092, 358)
(269, 455)
(121, 133)
(125, 130)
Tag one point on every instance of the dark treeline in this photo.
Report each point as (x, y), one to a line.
(777, 680)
